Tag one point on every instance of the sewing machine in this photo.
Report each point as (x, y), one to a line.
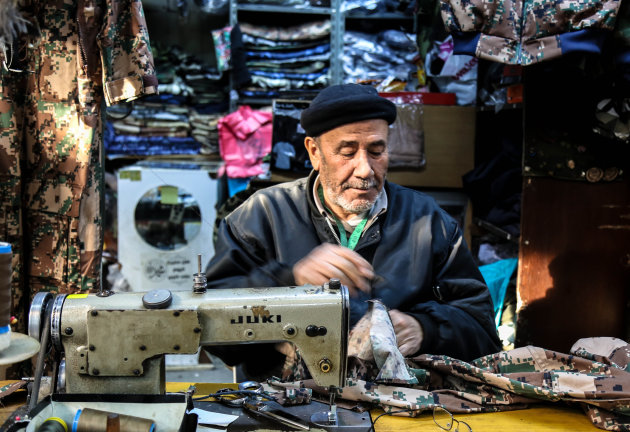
(110, 345)
(116, 344)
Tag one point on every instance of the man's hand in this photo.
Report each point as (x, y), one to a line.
(332, 261)
(408, 330)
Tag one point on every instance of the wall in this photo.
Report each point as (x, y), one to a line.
(574, 269)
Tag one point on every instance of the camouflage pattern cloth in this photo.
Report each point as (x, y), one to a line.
(75, 54)
(596, 374)
(518, 32)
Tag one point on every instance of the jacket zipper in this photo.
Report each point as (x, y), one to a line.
(81, 42)
(332, 230)
(335, 233)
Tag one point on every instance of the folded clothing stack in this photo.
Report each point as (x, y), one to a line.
(180, 120)
(286, 58)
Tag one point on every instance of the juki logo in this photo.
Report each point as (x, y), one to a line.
(260, 315)
(256, 320)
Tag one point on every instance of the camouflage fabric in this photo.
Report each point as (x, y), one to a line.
(517, 32)
(75, 54)
(596, 374)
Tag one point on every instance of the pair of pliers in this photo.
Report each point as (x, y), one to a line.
(272, 410)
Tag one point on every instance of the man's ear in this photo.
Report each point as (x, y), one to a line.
(314, 153)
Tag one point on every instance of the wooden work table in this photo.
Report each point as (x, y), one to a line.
(541, 418)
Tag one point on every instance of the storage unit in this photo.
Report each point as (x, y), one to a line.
(339, 19)
(165, 220)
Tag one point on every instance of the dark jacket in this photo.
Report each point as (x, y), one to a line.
(419, 256)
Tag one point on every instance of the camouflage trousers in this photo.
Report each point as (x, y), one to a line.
(596, 375)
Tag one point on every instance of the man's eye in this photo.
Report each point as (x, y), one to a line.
(376, 152)
(347, 154)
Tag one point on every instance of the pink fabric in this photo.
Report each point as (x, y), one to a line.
(244, 139)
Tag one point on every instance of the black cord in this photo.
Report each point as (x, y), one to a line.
(388, 413)
(221, 394)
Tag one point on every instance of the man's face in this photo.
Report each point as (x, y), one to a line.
(352, 163)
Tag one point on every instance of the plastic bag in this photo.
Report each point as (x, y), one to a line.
(406, 134)
(452, 73)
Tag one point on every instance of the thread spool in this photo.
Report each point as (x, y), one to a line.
(6, 256)
(91, 420)
(53, 424)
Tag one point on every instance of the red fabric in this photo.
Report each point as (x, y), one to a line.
(244, 139)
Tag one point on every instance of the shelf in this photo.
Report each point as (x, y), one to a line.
(379, 16)
(506, 106)
(283, 9)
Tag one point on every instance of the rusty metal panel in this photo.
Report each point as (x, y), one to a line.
(120, 340)
(574, 266)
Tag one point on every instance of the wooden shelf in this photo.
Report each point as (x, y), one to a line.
(449, 140)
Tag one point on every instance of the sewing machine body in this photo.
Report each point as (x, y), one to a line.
(116, 344)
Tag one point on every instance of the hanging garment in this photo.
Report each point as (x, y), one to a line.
(244, 139)
(522, 32)
(75, 54)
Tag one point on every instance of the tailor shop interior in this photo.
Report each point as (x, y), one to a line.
(131, 130)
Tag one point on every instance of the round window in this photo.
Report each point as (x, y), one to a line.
(168, 217)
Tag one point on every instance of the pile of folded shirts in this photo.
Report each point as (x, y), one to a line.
(149, 129)
(376, 57)
(205, 131)
(286, 58)
(180, 120)
(285, 3)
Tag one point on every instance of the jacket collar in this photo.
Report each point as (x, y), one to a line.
(317, 207)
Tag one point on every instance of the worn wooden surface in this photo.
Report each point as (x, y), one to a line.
(574, 266)
(541, 418)
(537, 419)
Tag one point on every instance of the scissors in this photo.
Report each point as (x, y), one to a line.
(256, 401)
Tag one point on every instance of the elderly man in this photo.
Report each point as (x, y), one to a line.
(345, 221)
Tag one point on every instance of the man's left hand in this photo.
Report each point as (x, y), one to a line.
(408, 330)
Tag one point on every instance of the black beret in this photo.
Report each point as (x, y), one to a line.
(341, 104)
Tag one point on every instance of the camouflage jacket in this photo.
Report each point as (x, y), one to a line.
(596, 374)
(528, 32)
(75, 54)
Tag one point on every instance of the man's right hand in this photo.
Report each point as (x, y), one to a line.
(332, 261)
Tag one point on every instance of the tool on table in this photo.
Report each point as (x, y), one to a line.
(251, 397)
(273, 411)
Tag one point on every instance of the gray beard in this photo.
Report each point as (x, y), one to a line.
(351, 207)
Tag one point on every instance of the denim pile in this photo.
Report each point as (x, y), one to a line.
(181, 119)
(149, 129)
(281, 59)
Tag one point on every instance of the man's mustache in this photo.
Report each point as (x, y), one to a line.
(359, 184)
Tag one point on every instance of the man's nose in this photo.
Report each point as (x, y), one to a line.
(363, 166)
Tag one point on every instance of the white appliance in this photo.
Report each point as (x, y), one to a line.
(165, 220)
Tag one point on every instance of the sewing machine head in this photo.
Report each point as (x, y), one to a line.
(116, 344)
